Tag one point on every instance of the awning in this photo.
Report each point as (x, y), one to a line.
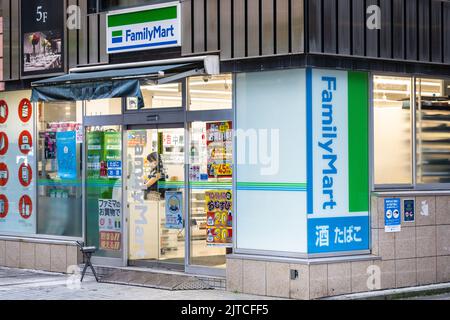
(115, 81)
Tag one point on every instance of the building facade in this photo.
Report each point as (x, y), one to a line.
(289, 146)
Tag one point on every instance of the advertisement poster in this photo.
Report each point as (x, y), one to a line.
(174, 210)
(66, 148)
(392, 217)
(109, 223)
(219, 144)
(50, 145)
(94, 153)
(219, 218)
(17, 161)
(42, 27)
(408, 207)
(111, 163)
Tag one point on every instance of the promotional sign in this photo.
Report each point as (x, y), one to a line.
(25, 110)
(337, 161)
(219, 218)
(151, 27)
(114, 169)
(25, 207)
(392, 217)
(110, 223)
(4, 111)
(4, 174)
(25, 142)
(4, 206)
(174, 210)
(219, 142)
(18, 190)
(50, 145)
(66, 148)
(94, 153)
(25, 175)
(408, 208)
(4, 143)
(42, 33)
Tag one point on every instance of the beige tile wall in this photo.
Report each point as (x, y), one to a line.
(38, 256)
(421, 249)
(417, 255)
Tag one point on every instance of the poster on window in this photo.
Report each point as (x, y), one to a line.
(66, 148)
(42, 35)
(219, 218)
(50, 145)
(219, 142)
(17, 163)
(109, 223)
(174, 210)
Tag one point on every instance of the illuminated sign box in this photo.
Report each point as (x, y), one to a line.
(145, 28)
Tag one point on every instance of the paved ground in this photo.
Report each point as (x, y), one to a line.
(32, 285)
(445, 296)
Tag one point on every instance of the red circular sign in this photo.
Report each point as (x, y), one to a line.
(4, 206)
(25, 110)
(25, 207)
(4, 111)
(25, 175)
(25, 142)
(4, 174)
(4, 143)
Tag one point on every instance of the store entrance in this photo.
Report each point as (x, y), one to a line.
(155, 196)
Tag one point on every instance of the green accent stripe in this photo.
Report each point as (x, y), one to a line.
(358, 141)
(147, 16)
(117, 33)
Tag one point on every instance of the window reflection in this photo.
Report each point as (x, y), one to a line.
(433, 131)
(392, 130)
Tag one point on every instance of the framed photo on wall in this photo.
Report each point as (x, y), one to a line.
(42, 37)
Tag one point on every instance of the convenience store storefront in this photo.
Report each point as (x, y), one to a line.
(279, 172)
(109, 164)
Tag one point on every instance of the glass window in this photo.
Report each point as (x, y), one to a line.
(160, 96)
(104, 190)
(60, 169)
(433, 131)
(210, 93)
(104, 107)
(210, 188)
(392, 130)
(269, 153)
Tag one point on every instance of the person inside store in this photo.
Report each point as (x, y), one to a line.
(157, 174)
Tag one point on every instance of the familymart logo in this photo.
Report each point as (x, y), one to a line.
(147, 28)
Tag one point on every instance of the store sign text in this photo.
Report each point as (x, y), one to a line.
(149, 27)
(326, 144)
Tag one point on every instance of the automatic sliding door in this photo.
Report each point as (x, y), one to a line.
(155, 193)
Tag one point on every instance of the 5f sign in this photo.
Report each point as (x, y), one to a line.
(41, 16)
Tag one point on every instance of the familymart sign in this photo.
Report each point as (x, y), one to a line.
(144, 28)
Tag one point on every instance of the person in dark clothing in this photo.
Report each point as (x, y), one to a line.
(157, 174)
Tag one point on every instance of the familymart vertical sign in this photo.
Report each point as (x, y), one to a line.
(338, 161)
(144, 28)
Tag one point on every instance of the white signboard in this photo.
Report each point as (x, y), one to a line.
(144, 28)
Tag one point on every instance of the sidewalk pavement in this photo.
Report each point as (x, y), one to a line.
(439, 291)
(18, 284)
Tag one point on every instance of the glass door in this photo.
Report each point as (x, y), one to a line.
(155, 197)
(103, 190)
(211, 196)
